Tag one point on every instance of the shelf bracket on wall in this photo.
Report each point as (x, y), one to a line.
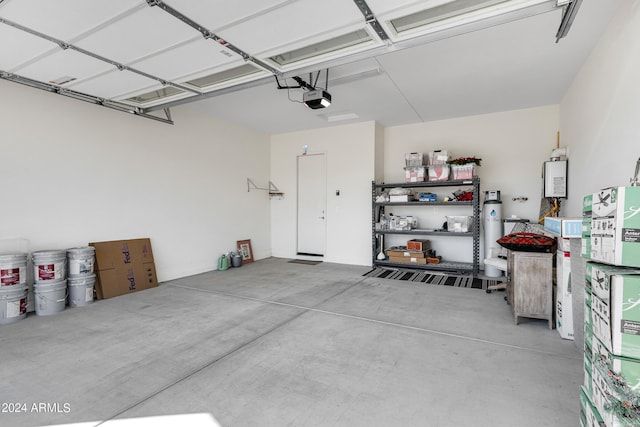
(272, 190)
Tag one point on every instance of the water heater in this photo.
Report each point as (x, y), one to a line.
(492, 223)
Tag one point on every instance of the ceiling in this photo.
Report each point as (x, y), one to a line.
(228, 59)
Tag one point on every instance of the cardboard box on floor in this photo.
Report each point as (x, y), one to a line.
(124, 267)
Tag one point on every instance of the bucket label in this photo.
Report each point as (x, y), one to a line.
(80, 266)
(89, 294)
(16, 308)
(47, 272)
(9, 276)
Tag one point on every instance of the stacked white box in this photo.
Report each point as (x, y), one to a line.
(615, 308)
(564, 229)
(564, 302)
(587, 204)
(612, 351)
(615, 226)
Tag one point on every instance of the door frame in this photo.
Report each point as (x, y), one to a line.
(324, 204)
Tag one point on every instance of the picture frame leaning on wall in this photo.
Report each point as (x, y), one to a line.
(245, 250)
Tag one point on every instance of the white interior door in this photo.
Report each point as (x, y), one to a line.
(311, 204)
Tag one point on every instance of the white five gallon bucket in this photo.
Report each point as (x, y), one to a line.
(81, 290)
(50, 297)
(13, 303)
(13, 269)
(81, 261)
(49, 265)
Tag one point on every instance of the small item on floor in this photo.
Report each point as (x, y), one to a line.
(434, 260)
(223, 262)
(236, 259)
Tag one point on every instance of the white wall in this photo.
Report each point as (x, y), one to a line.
(74, 173)
(512, 145)
(350, 151)
(600, 113)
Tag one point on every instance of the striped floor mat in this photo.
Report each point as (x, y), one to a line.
(431, 278)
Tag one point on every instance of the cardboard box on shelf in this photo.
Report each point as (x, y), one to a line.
(615, 226)
(405, 253)
(418, 245)
(408, 260)
(123, 267)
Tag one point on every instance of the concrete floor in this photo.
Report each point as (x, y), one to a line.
(274, 343)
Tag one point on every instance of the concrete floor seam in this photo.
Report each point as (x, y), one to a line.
(201, 368)
(221, 357)
(382, 322)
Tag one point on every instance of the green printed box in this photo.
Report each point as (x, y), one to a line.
(616, 319)
(603, 394)
(588, 334)
(586, 227)
(588, 373)
(591, 414)
(599, 277)
(587, 205)
(625, 367)
(615, 226)
(585, 240)
(588, 320)
(588, 273)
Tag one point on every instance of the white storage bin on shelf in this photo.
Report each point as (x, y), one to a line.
(459, 224)
(463, 171)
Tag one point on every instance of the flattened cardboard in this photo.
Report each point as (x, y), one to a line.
(124, 267)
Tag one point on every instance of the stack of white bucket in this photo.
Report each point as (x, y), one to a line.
(50, 287)
(13, 287)
(81, 277)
